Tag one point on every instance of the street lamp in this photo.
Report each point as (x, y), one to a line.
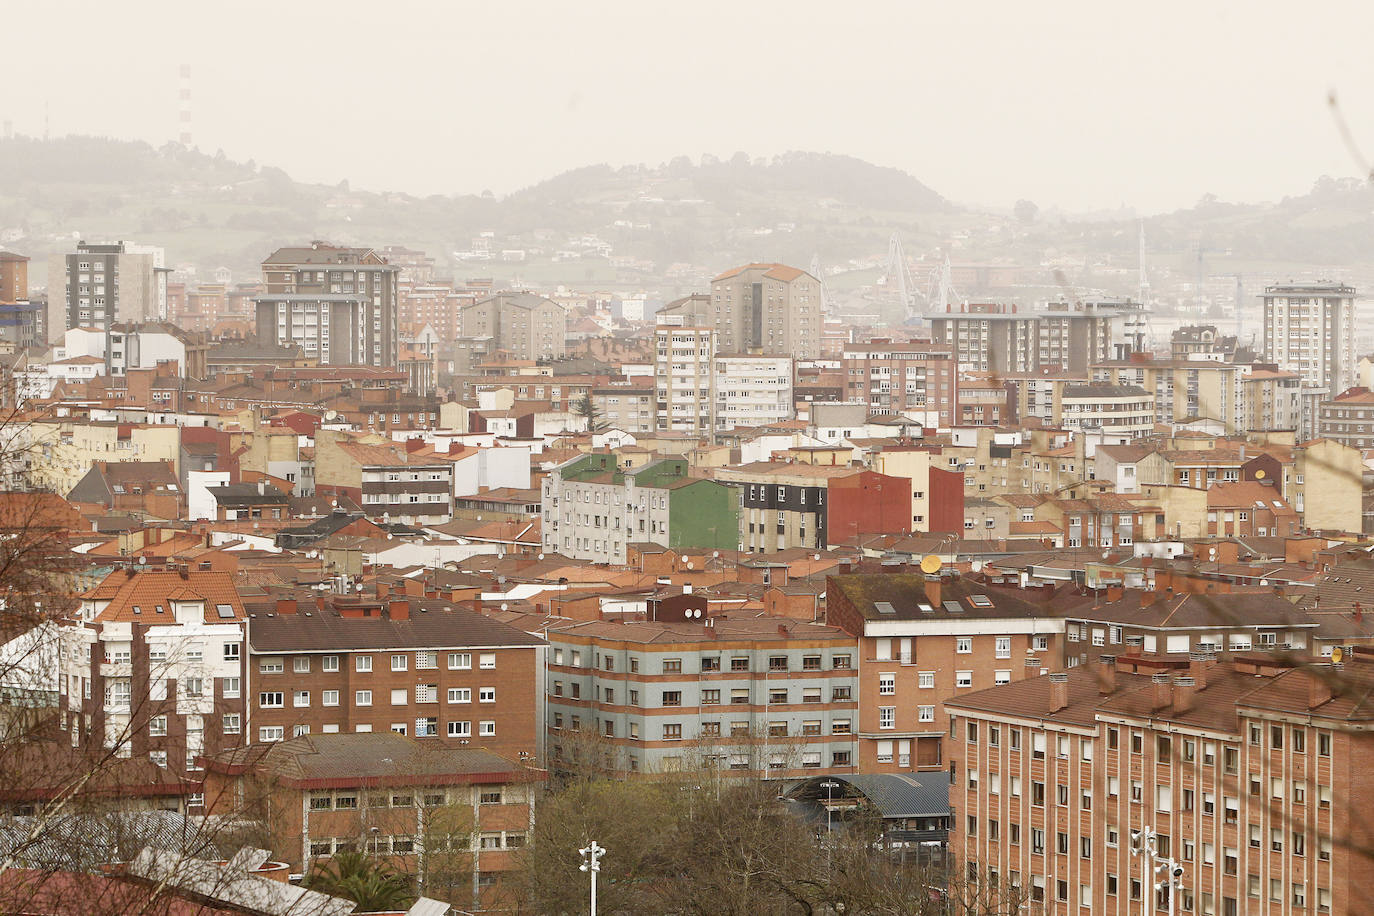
(829, 785)
(1145, 842)
(591, 856)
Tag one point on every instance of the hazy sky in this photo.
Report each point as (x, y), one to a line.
(1081, 105)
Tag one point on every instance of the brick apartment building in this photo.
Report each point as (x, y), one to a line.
(392, 797)
(450, 816)
(1251, 771)
(916, 378)
(154, 668)
(414, 666)
(768, 695)
(926, 640)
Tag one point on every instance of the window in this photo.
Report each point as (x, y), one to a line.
(329, 663)
(459, 729)
(157, 726)
(301, 664)
(231, 688)
(486, 729)
(399, 696)
(362, 698)
(300, 698)
(464, 694)
(963, 645)
(271, 699)
(887, 717)
(270, 666)
(362, 663)
(963, 679)
(400, 663)
(232, 723)
(1004, 647)
(887, 684)
(461, 660)
(739, 663)
(672, 698)
(672, 666)
(925, 680)
(710, 697)
(486, 695)
(272, 733)
(194, 686)
(231, 651)
(672, 731)
(487, 660)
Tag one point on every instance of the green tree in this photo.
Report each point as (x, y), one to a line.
(372, 884)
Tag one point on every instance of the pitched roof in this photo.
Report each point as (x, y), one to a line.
(431, 625)
(151, 590)
(368, 759)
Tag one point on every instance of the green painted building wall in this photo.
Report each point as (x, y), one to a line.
(703, 514)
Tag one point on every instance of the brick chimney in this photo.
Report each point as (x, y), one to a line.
(1059, 691)
(1160, 694)
(1114, 592)
(1147, 597)
(933, 590)
(1319, 690)
(1032, 666)
(286, 606)
(1185, 691)
(1106, 675)
(1198, 662)
(399, 609)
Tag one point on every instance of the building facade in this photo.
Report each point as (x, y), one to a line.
(772, 697)
(767, 309)
(1309, 329)
(338, 304)
(916, 379)
(522, 324)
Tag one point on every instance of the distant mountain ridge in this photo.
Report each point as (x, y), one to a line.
(209, 210)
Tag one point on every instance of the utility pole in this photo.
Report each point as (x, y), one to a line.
(591, 855)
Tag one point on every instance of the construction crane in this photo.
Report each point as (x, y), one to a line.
(896, 279)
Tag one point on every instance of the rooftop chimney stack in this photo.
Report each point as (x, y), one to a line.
(1185, 691)
(1197, 668)
(1319, 690)
(933, 590)
(1161, 695)
(1059, 691)
(1106, 675)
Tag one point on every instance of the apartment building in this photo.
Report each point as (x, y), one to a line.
(766, 309)
(413, 666)
(1348, 418)
(338, 304)
(1188, 389)
(424, 809)
(1109, 414)
(627, 407)
(14, 278)
(915, 378)
(413, 486)
(99, 284)
(594, 510)
(1201, 340)
(1244, 770)
(1273, 399)
(937, 494)
(770, 696)
(751, 390)
(154, 667)
(785, 505)
(1309, 328)
(925, 641)
(684, 378)
(522, 324)
(990, 337)
(1155, 623)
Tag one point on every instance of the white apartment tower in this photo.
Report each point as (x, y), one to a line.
(1309, 328)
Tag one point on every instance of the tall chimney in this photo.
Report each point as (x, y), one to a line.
(1106, 675)
(1147, 597)
(1159, 689)
(286, 606)
(1185, 690)
(1032, 666)
(398, 609)
(1059, 691)
(1197, 668)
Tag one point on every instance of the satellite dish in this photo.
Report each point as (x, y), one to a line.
(541, 556)
(976, 566)
(505, 606)
(142, 561)
(1336, 655)
(815, 556)
(1211, 553)
(1259, 473)
(689, 564)
(311, 554)
(715, 554)
(930, 564)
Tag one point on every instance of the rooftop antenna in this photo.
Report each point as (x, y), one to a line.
(184, 113)
(1144, 282)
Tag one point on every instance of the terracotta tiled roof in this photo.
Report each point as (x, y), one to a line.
(149, 589)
